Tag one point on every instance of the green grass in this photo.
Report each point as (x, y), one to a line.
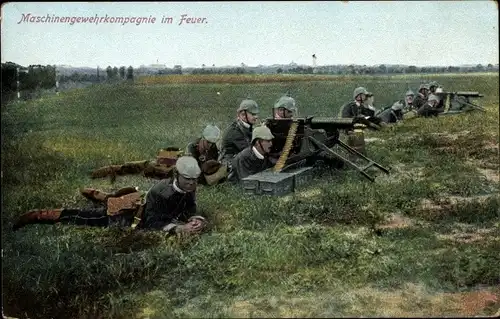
(318, 253)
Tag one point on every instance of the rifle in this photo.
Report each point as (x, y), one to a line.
(298, 139)
(460, 101)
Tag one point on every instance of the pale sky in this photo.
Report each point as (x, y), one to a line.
(376, 32)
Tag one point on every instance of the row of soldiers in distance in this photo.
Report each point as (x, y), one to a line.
(425, 103)
(170, 204)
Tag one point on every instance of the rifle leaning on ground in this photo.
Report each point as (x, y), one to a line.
(298, 139)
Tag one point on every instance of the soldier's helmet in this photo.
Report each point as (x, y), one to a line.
(286, 102)
(423, 86)
(397, 106)
(433, 97)
(262, 132)
(249, 105)
(433, 84)
(410, 92)
(211, 133)
(187, 166)
(358, 91)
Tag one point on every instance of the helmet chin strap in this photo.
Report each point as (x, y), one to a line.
(260, 146)
(247, 121)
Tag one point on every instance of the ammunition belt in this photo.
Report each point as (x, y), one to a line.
(288, 146)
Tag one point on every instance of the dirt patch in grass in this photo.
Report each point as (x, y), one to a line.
(447, 203)
(402, 171)
(412, 301)
(472, 235)
(396, 221)
(490, 174)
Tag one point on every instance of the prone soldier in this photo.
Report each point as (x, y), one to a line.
(206, 152)
(169, 205)
(356, 107)
(238, 135)
(421, 98)
(392, 114)
(254, 158)
(431, 107)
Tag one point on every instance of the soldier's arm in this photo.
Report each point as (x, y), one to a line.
(347, 111)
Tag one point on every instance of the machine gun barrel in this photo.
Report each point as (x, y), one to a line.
(462, 93)
(327, 123)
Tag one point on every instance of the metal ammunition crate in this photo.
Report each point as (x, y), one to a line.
(276, 184)
(302, 176)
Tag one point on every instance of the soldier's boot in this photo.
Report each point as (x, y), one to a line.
(38, 216)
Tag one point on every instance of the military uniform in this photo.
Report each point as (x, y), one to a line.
(389, 115)
(247, 163)
(250, 161)
(428, 110)
(236, 138)
(421, 97)
(238, 135)
(167, 206)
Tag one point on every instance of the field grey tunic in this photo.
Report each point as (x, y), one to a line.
(247, 163)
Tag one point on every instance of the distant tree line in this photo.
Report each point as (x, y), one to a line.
(238, 70)
(32, 80)
(383, 69)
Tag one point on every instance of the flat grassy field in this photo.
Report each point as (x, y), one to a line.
(422, 241)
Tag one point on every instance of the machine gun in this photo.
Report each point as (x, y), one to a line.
(298, 139)
(458, 102)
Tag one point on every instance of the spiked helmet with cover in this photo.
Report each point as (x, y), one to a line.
(410, 92)
(249, 105)
(211, 133)
(433, 83)
(187, 166)
(358, 91)
(262, 132)
(286, 102)
(423, 86)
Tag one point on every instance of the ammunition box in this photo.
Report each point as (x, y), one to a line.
(302, 176)
(269, 182)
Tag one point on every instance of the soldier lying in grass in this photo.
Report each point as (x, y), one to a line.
(255, 158)
(238, 135)
(169, 205)
(203, 149)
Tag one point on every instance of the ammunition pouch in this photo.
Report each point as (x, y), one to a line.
(216, 177)
(210, 167)
(129, 202)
